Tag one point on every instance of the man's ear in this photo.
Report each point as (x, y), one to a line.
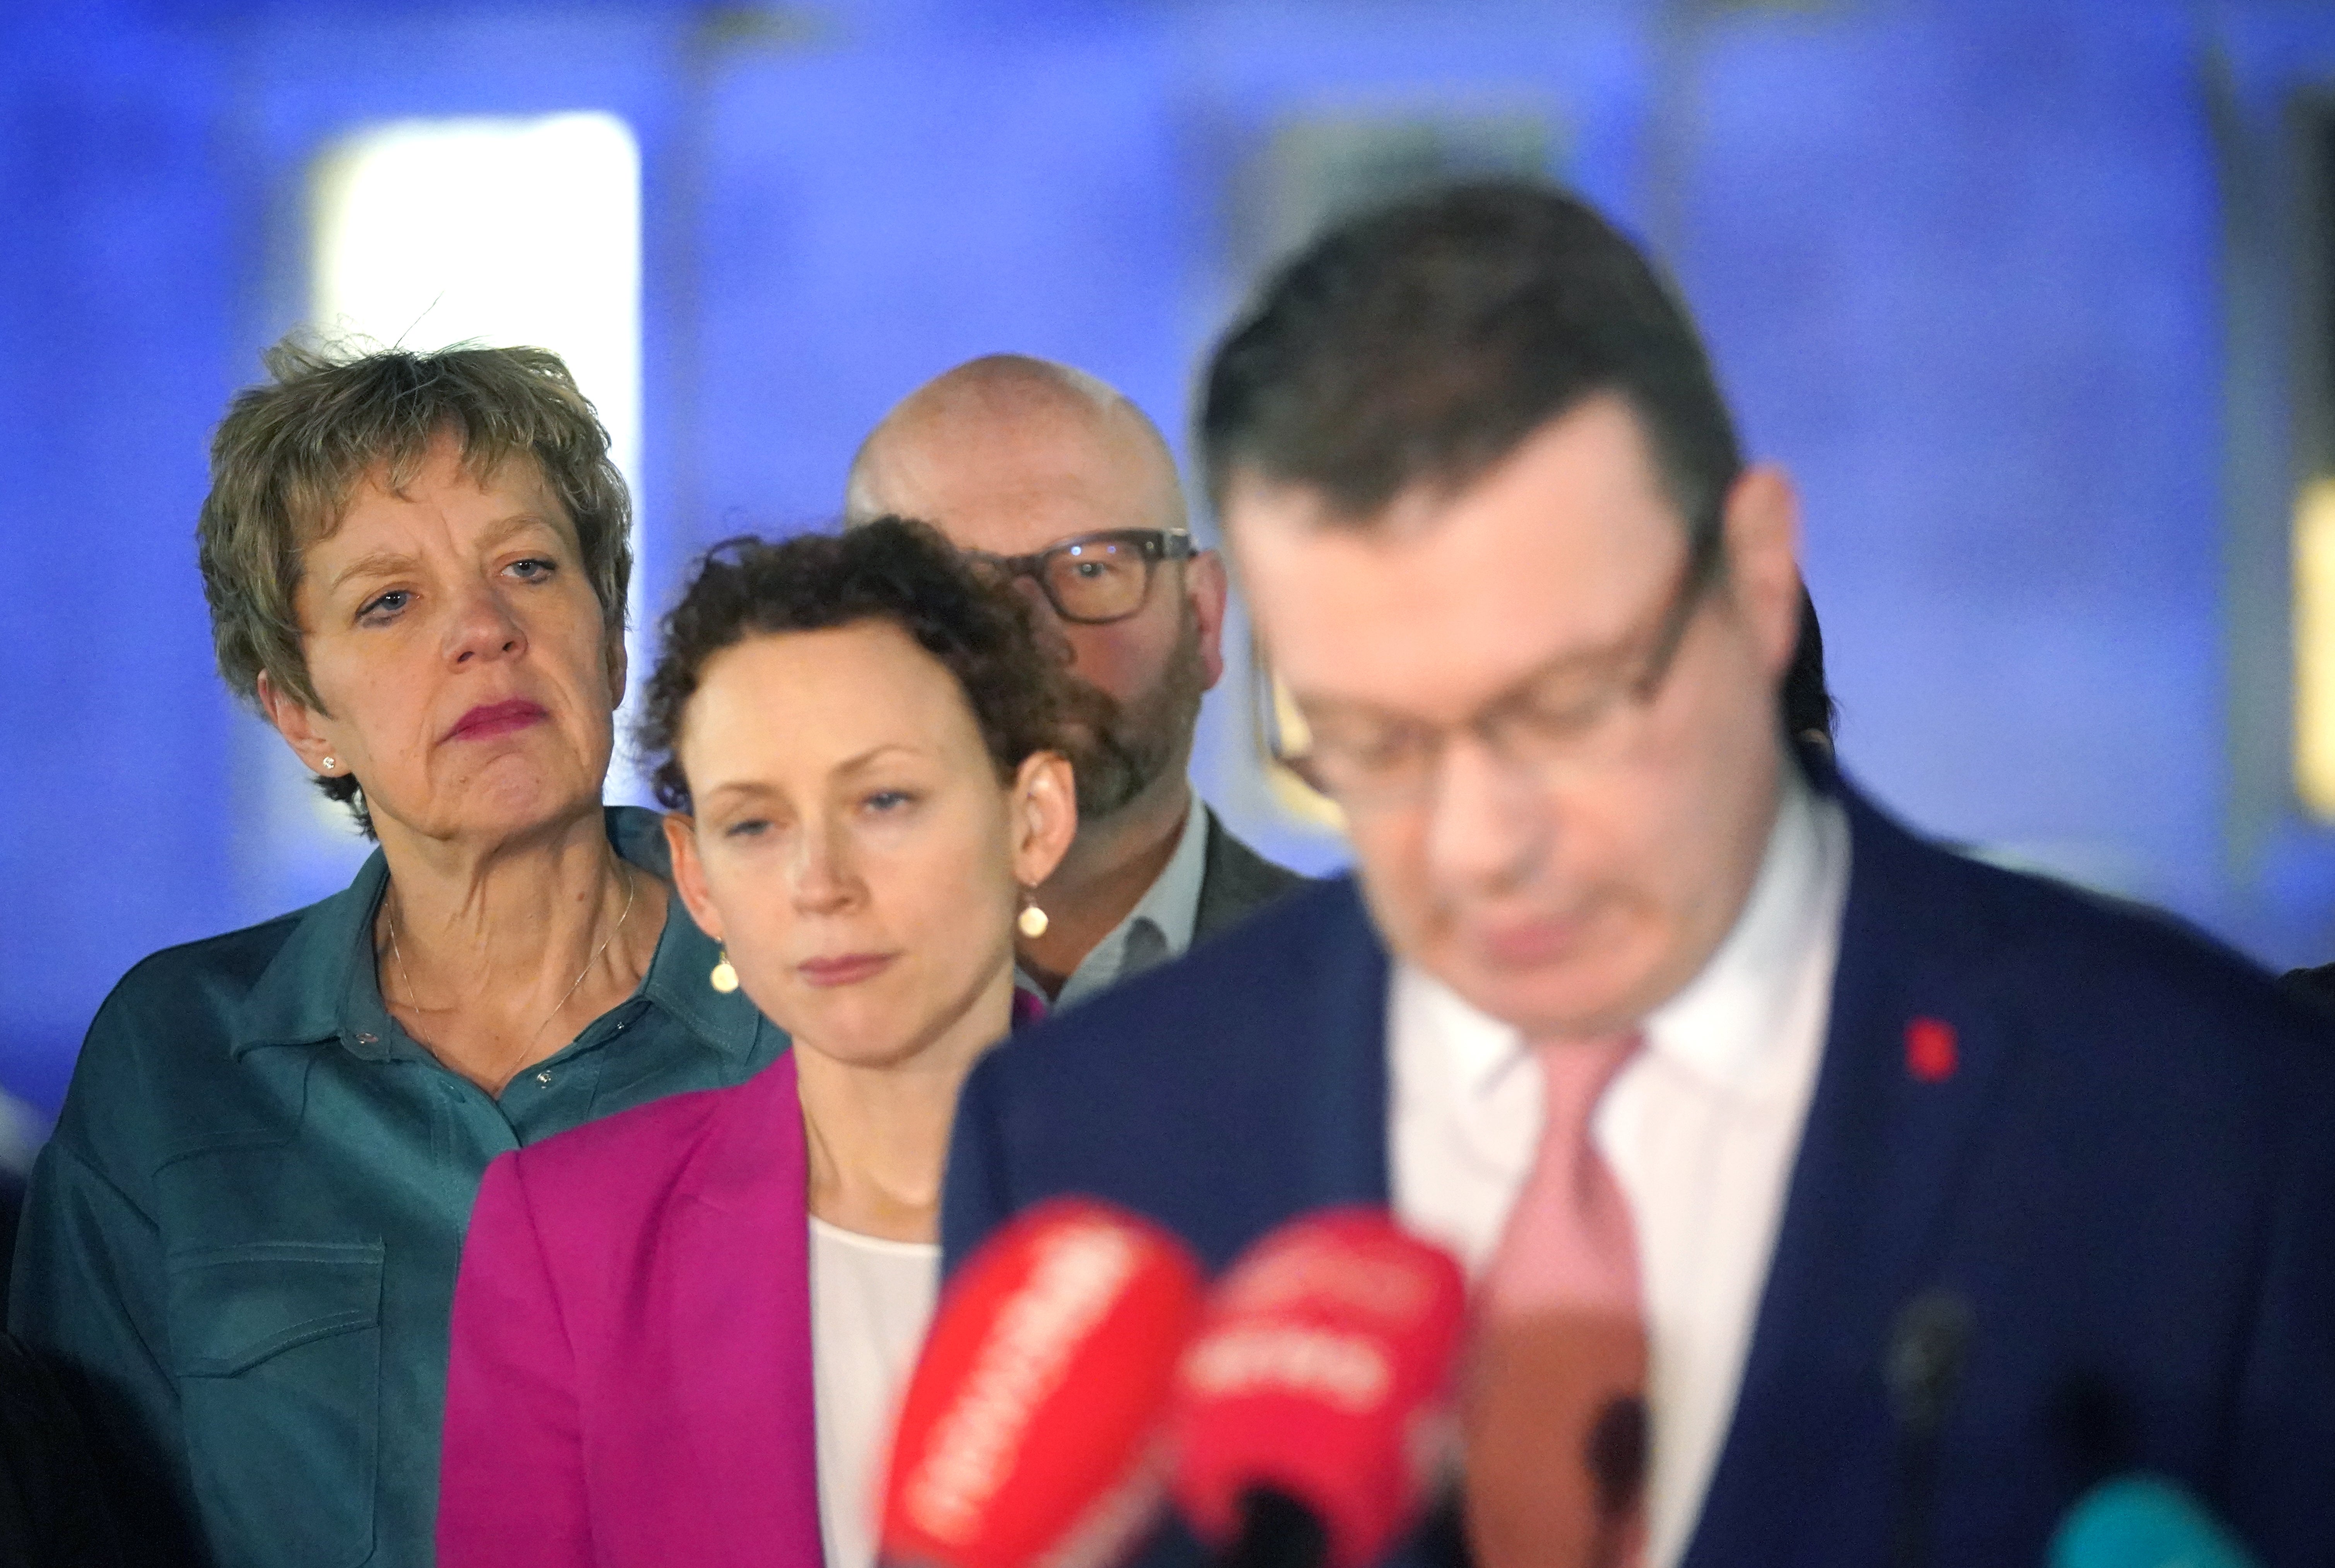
(689, 873)
(1762, 527)
(1206, 586)
(296, 722)
(1045, 816)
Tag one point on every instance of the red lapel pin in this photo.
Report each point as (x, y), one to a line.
(1931, 1052)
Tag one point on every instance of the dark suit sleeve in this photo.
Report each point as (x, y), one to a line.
(975, 1197)
(2282, 1452)
(511, 1487)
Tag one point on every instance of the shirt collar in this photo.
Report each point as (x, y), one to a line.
(1728, 1021)
(1482, 1050)
(1731, 1018)
(323, 982)
(1159, 927)
(1172, 903)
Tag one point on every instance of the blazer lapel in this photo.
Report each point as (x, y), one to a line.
(1337, 1013)
(731, 1304)
(1235, 881)
(1912, 1053)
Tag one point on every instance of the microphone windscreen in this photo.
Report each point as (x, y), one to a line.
(1030, 1433)
(1322, 1372)
(2142, 1521)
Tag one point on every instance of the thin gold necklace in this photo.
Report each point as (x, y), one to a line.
(632, 891)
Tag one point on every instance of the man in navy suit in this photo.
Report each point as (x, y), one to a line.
(1880, 1102)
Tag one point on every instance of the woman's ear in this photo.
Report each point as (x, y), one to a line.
(1045, 816)
(689, 873)
(296, 722)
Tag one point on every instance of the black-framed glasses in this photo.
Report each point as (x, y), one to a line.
(1096, 578)
(1554, 720)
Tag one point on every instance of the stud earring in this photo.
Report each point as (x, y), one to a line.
(724, 979)
(330, 764)
(1032, 921)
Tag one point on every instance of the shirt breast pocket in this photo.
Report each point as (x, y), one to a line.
(276, 1347)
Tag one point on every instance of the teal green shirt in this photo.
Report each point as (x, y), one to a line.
(241, 1241)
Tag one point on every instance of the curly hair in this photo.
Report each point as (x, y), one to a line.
(289, 455)
(891, 569)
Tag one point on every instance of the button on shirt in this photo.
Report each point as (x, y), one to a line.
(1159, 926)
(1700, 1131)
(245, 1231)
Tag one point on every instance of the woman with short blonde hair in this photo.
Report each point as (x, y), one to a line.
(241, 1242)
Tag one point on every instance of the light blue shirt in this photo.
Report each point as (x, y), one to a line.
(1159, 926)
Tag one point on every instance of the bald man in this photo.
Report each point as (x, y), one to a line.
(1065, 481)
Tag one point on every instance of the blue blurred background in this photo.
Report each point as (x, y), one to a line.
(2031, 297)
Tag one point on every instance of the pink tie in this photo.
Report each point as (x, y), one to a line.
(1556, 1409)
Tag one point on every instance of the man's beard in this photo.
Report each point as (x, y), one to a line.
(1118, 749)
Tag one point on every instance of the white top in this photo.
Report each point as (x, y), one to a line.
(1159, 926)
(870, 1300)
(1700, 1131)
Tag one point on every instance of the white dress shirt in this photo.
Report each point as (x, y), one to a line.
(1700, 1131)
(1159, 926)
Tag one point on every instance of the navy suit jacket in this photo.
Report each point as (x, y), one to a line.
(2119, 1153)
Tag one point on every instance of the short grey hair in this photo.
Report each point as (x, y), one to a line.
(289, 458)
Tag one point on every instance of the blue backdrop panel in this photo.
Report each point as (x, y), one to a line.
(118, 260)
(1970, 270)
(1960, 275)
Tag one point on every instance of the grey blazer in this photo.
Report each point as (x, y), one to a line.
(1236, 881)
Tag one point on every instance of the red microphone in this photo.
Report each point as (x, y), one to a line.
(1030, 1433)
(1313, 1413)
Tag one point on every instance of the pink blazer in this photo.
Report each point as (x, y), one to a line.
(631, 1377)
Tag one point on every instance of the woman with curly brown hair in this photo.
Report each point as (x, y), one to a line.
(679, 1332)
(240, 1244)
